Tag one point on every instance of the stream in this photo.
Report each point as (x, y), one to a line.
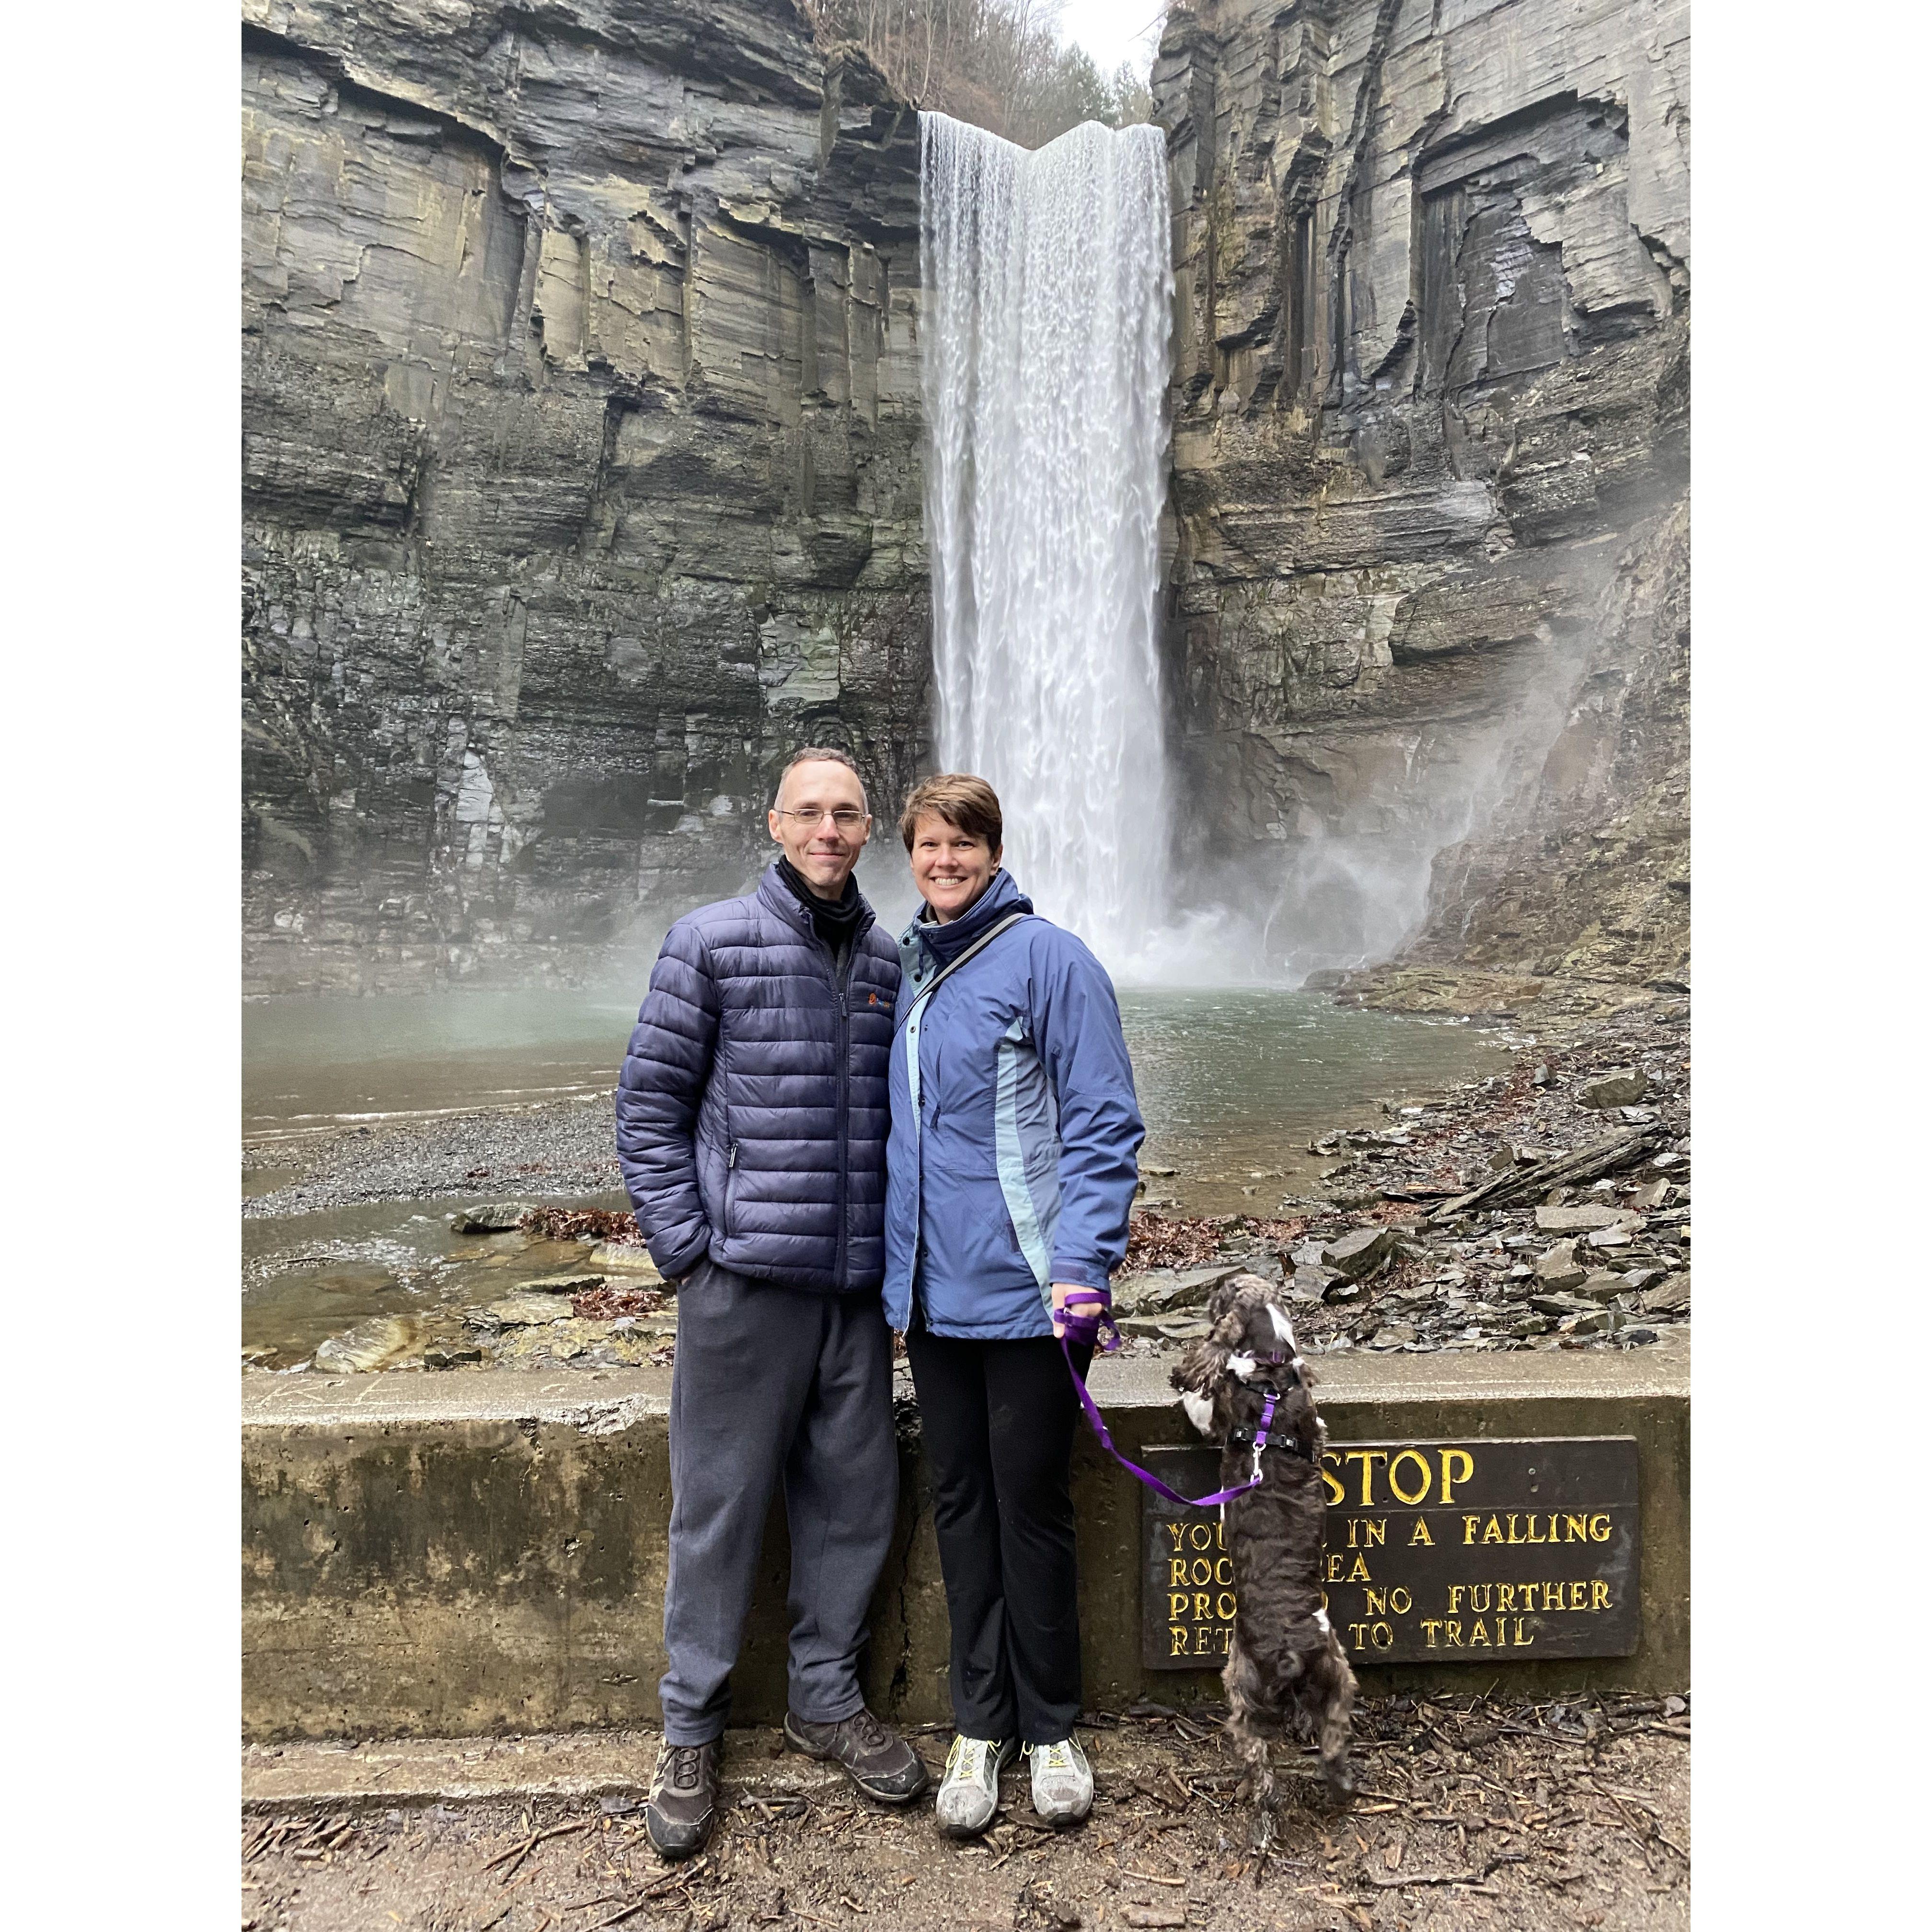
(1233, 1085)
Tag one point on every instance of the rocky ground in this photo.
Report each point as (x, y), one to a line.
(560, 1148)
(1471, 1815)
(1548, 1207)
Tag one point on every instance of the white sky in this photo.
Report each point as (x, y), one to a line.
(1113, 30)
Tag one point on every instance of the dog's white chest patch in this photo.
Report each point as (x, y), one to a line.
(1200, 1411)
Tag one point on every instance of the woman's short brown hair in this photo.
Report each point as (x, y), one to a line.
(967, 804)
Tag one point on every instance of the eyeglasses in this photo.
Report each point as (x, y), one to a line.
(844, 816)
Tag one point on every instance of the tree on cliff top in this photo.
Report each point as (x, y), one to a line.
(999, 63)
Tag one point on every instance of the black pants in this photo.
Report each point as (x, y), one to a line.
(999, 1418)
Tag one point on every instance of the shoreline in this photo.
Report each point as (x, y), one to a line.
(564, 1149)
(1532, 1207)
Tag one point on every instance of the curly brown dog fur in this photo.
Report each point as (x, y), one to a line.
(1285, 1665)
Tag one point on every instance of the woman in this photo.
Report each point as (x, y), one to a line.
(1010, 1169)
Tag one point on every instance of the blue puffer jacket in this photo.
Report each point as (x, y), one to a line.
(752, 1107)
(1012, 1164)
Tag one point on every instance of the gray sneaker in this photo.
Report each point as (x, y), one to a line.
(1062, 1782)
(877, 1760)
(970, 1794)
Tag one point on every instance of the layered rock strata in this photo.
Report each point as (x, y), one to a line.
(1430, 445)
(581, 475)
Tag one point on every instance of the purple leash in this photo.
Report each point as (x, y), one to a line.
(1087, 1328)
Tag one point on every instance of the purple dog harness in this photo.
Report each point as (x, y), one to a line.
(1086, 1328)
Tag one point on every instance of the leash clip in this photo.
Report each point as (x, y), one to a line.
(1261, 1435)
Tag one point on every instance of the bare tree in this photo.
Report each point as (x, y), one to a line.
(1000, 63)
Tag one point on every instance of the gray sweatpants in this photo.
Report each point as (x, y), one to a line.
(769, 1381)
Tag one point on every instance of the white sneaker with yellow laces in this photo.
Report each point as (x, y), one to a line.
(1062, 1782)
(970, 1794)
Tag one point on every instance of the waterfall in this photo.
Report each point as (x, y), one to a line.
(1046, 320)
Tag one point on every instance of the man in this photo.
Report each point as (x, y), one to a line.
(752, 1124)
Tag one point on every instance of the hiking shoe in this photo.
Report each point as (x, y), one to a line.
(1062, 1782)
(879, 1762)
(970, 1792)
(683, 1802)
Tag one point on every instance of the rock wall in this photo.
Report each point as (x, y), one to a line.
(1430, 408)
(581, 478)
(582, 471)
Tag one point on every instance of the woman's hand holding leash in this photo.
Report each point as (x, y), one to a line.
(1061, 1290)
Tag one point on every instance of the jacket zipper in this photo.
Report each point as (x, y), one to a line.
(841, 980)
(844, 982)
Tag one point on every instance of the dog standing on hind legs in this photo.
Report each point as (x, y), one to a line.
(1286, 1667)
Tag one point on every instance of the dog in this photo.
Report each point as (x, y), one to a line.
(1285, 1667)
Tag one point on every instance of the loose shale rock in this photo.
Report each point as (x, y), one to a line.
(1623, 1088)
(1359, 1253)
(374, 1344)
(491, 1217)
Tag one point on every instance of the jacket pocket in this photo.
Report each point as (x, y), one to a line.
(731, 1186)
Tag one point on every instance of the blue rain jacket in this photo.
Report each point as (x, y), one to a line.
(1011, 1164)
(751, 1106)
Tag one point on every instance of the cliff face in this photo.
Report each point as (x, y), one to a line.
(1430, 466)
(582, 471)
(581, 477)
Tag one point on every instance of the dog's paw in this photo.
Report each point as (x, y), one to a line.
(1340, 1776)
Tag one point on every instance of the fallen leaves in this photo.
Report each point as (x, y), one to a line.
(577, 1224)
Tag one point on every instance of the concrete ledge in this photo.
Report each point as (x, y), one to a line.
(305, 1776)
(478, 1555)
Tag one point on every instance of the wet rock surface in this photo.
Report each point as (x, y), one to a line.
(1506, 1213)
(1472, 1814)
(1435, 1231)
(581, 482)
(1427, 606)
(566, 1147)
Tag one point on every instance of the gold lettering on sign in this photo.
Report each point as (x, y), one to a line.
(1451, 1459)
(1368, 1458)
(1413, 1494)
(1420, 1485)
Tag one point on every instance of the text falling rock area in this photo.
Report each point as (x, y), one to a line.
(1473, 1552)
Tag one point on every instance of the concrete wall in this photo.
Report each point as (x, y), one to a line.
(460, 1554)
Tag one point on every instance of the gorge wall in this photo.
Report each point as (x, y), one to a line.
(582, 473)
(581, 470)
(1430, 468)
